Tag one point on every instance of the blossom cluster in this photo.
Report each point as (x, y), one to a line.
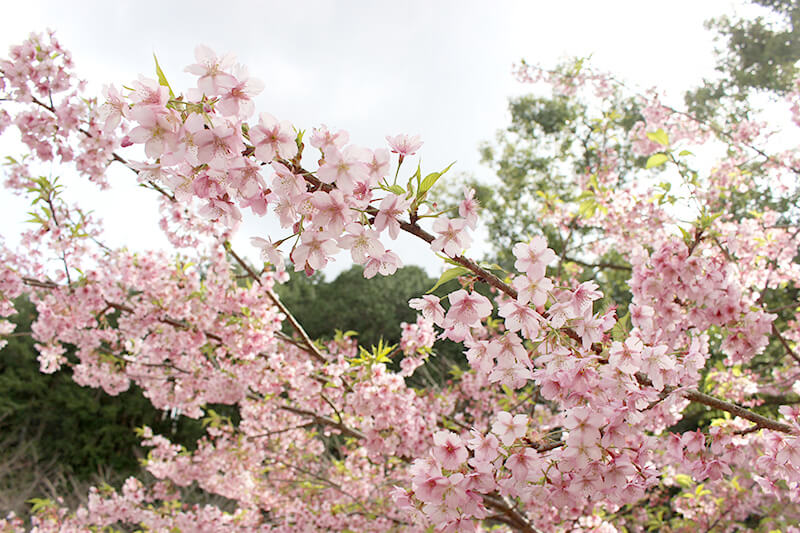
(563, 417)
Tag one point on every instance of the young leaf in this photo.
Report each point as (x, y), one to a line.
(659, 136)
(162, 79)
(447, 275)
(656, 160)
(620, 330)
(430, 180)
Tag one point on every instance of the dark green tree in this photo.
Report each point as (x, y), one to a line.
(372, 307)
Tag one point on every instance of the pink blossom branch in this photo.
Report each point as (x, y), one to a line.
(310, 346)
(692, 395)
(114, 156)
(716, 129)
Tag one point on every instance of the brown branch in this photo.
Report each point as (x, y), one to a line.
(167, 320)
(715, 403)
(508, 515)
(541, 448)
(610, 266)
(284, 430)
(47, 284)
(325, 421)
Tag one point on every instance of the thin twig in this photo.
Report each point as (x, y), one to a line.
(325, 421)
(312, 349)
(785, 344)
(610, 266)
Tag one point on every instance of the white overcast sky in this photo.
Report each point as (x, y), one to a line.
(440, 69)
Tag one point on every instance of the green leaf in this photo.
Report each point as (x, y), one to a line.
(492, 266)
(410, 186)
(620, 330)
(656, 160)
(162, 79)
(430, 180)
(448, 275)
(341, 335)
(40, 504)
(687, 237)
(415, 176)
(684, 152)
(587, 208)
(659, 136)
(684, 481)
(397, 189)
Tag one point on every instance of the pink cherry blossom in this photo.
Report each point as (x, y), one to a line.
(509, 428)
(453, 236)
(212, 71)
(272, 138)
(521, 318)
(449, 450)
(237, 94)
(467, 308)
(314, 250)
(468, 208)
(385, 263)
(532, 258)
(430, 308)
(345, 168)
(392, 206)
(362, 242)
(404, 145)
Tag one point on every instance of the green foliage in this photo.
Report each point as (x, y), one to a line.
(449, 274)
(656, 160)
(162, 78)
(375, 355)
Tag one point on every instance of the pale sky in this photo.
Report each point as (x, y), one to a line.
(441, 70)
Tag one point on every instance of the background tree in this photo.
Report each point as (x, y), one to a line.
(372, 307)
(756, 56)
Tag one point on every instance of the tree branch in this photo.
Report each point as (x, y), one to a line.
(508, 514)
(325, 421)
(311, 347)
(785, 343)
(610, 266)
(699, 397)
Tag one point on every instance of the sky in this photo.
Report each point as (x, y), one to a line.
(441, 70)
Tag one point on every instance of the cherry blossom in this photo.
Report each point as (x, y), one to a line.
(561, 417)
